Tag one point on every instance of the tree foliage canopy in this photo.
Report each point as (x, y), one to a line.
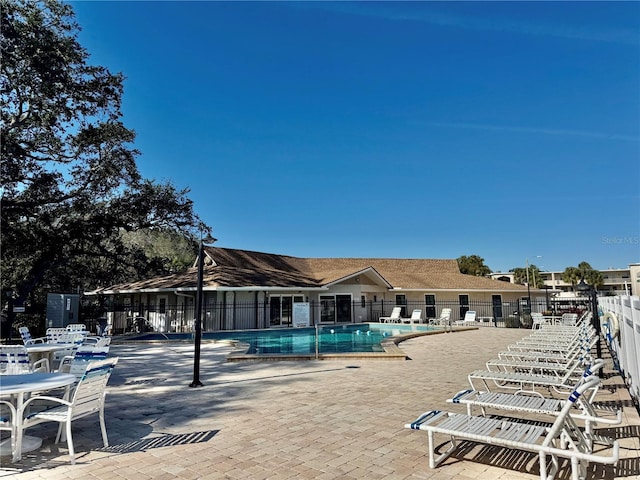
(473, 265)
(522, 276)
(70, 183)
(585, 272)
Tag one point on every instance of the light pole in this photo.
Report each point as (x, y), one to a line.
(546, 294)
(528, 284)
(198, 314)
(528, 289)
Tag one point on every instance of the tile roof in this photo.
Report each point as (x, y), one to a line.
(242, 268)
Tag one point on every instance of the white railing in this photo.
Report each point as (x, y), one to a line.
(621, 328)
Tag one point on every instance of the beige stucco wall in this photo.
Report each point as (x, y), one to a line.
(635, 278)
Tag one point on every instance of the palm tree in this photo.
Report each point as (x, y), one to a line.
(594, 278)
(572, 275)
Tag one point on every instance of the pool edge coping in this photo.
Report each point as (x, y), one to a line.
(391, 350)
(390, 346)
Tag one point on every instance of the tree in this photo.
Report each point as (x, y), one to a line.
(594, 278)
(591, 276)
(71, 186)
(571, 275)
(166, 250)
(473, 265)
(520, 275)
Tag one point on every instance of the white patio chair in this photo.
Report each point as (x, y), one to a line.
(97, 340)
(87, 398)
(77, 363)
(537, 320)
(395, 316)
(54, 334)
(564, 439)
(14, 360)
(469, 319)
(8, 421)
(76, 327)
(27, 339)
(74, 338)
(416, 317)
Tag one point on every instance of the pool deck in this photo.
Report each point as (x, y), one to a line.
(331, 419)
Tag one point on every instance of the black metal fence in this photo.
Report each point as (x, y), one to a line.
(256, 315)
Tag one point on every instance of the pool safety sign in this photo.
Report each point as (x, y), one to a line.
(301, 314)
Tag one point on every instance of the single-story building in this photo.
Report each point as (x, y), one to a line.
(244, 290)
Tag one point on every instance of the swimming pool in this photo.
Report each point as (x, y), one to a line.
(362, 338)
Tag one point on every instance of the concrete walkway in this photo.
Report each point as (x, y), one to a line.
(295, 420)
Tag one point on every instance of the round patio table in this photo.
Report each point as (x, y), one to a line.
(16, 386)
(46, 350)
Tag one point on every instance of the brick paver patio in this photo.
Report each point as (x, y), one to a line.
(338, 419)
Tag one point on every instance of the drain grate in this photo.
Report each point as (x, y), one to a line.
(168, 440)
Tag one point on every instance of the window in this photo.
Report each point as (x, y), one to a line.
(281, 309)
(274, 311)
(162, 305)
(327, 309)
(464, 304)
(496, 301)
(430, 306)
(401, 301)
(335, 308)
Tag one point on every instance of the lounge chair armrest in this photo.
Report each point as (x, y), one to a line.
(613, 418)
(424, 419)
(461, 395)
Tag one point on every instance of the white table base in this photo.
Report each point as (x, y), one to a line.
(29, 444)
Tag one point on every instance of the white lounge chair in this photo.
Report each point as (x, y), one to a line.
(559, 342)
(569, 319)
(88, 398)
(564, 439)
(444, 318)
(536, 404)
(530, 382)
(469, 318)
(395, 316)
(416, 317)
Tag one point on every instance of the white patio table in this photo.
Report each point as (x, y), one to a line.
(46, 350)
(16, 386)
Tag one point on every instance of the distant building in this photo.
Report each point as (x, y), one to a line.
(244, 289)
(634, 274)
(617, 281)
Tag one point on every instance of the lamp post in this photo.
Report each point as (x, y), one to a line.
(529, 284)
(528, 289)
(198, 314)
(584, 288)
(546, 294)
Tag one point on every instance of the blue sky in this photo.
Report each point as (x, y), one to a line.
(509, 130)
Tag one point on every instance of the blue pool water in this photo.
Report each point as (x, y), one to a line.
(356, 338)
